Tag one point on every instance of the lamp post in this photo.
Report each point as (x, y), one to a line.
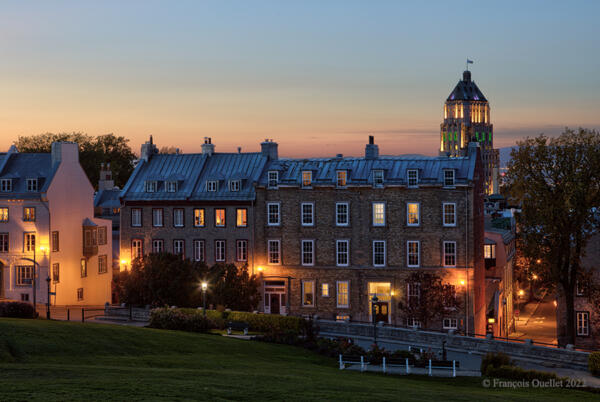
(48, 301)
(33, 284)
(374, 301)
(204, 287)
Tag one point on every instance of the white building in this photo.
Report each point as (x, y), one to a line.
(47, 216)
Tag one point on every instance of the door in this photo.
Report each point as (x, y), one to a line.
(274, 298)
(381, 312)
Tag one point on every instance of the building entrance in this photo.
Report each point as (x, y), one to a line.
(275, 297)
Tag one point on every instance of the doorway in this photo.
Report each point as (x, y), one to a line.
(381, 311)
(275, 297)
(383, 291)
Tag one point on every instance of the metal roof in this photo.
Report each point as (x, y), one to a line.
(466, 90)
(107, 199)
(22, 166)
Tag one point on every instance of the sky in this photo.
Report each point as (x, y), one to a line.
(317, 77)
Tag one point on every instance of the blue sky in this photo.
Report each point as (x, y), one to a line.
(316, 76)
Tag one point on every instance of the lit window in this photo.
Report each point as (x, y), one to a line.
(220, 217)
(583, 323)
(198, 217)
(219, 250)
(378, 214)
(449, 253)
(378, 178)
(56, 272)
(83, 267)
(234, 185)
(157, 217)
(136, 249)
(448, 177)
(274, 252)
(151, 186)
(306, 178)
(178, 217)
(450, 323)
(29, 214)
(308, 293)
(24, 275)
(412, 214)
(412, 177)
(342, 317)
(449, 213)
(273, 214)
(158, 246)
(29, 241)
(102, 264)
(307, 213)
(378, 253)
(199, 253)
(179, 247)
(341, 178)
(308, 252)
(342, 214)
(32, 185)
(211, 185)
(412, 253)
(342, 253)
(241, 218)
(273, 179)
(3, 242)
(325, 289)
(242, 250)
(489, 251)
(136, 217)
(6, 185)
(343, 294)
(3, 214)
(171, 186)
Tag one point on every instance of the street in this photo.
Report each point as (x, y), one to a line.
(537, 321)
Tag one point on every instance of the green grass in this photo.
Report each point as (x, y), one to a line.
(48, 360)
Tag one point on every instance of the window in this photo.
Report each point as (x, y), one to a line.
(199, 251)
(136, 249)
(157, 217)
(28, 241)
(306, 178)
(220, 250)
(241, 248)
(158, 246)
(308, 293)
(412, 253)
(341, 178)
(178, 217)
(171, 186)
(179, 247)
(32, 185)
(378, 178)
(6, 185)
(274, 252)
(579, 288)
(307, 217)
(308, 252)
(448, 177)
(3, 242)
(412, 214)
(3, 214)
(413, 322)
(29, 214)
(583, 323)
(234, 185)
(90, 236)
(241, 219)
(79, 294)
(449, 212)
(378, 253)
(151, 186)
(450, 323)
(136, 217)
(102, 264)
(102, 235)
(413, 291)
(325, 289)
(56, 272)
(83, 267)
(198, 217)
(342, 253)
(273, 214)
(342, 317)
(342, 214)
(412, 177)
(220, 217)
(273, 179)
(342, 294)
(449, 253)
(55, 241)
(489, 251)
(211, 185)
(378, 214)
(24, 275)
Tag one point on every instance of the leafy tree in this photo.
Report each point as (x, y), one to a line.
(92, 152)
(557, 183)
(233, 287)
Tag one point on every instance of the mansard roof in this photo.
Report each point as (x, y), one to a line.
(18, 167)
(466, 90)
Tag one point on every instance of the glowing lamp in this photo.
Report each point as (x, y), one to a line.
(462, 282)
(42, 248)
(538, 261)
(123, 262)
(393, 293)
(260, 269)
(534, 276)
(521, 292)
(204, 286)
(491, 320)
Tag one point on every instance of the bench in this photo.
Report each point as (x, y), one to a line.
(237, 326)
(353, 359)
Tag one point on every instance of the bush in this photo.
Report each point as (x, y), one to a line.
(376, 354)
(594, 363)
(16, 310)
(403, 354)
(517, 373)
(271, 323)
(494, 360)
(176, 319)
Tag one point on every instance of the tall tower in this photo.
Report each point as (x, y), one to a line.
(467, 119)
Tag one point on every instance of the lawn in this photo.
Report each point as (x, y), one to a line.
(72, 361)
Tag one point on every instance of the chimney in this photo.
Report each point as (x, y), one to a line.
(106, 181)
(148, 149)
(208, 148)
(371, 149)
(65, 152)
(269, 149)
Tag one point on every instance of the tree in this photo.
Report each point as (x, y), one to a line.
(233, 287)
(557, 184)
(92, 152)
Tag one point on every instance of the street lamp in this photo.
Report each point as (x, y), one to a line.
(48, 301)
(204, 287)
(374, 301)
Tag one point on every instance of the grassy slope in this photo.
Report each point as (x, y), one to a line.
(64, 361)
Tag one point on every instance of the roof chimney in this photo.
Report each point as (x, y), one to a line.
(371, 149)
(148, 149)
(64, 152)
(208, 148)
(106, 181)
(269, 149)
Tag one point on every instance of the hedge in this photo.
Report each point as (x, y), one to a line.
(16, 310)
(494, 360)
(594, 363)
(517, 373)
(176, 319)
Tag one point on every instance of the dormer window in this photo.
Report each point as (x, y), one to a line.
(306, 178)
(448, 177)
(412, 176)
(171, 186)
(32, 185)
(378, 178)
(212, 185)
(151, 186)
(6, 185)
(273, 179)
(234, 185)
(342, 178)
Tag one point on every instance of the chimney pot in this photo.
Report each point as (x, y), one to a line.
(371, 140)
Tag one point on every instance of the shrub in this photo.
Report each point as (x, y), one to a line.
(594, 363)
(376, 354)
(176, 319)
(16, 310)
(271, 323)
(517, 373)
(494, 360)
(403, 354)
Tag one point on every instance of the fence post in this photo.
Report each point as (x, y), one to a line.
(430, 367)
(362, 363)
(453, 368)
(384, 365)
(407, 368)
(82, 314)
(68, 315)
(341, 363)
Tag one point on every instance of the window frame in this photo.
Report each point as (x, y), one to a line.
(171, 186)
(133, 212)
(80, 294)
(199, 214)
(408, 213)
(278, 214)
(5, 185)
(347, 214)
(375, 179)
(140, 254)
(235, 185)
(224, 223)
(269, 179)
(27, 244)
(55, 272)
(83, 267)
(451, 320)
(238, 256)
(219, 258)
(269, 260)
(5, 243)
(373, 212)
(312, 214)
(150, 186)
(176, 224)
(306, 174)
(182, 243)
(55, 241)
(199, 250)
(408, 253)
(25, 278)
(338, 253)
(4, 217)
(304, 299)
(444, 254)
(384, 253)
(445, 178)
(337, 294)
(28, 216)
(341, 178)
(155, 249)
(311, 263)
(454, 216)
(579, 331)
(492, 248)
(162, 217)
(237, 217)
(323, 292)
(212, 186)
(416, 178)
(101, 258)
(102, 235)
(32, 185)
